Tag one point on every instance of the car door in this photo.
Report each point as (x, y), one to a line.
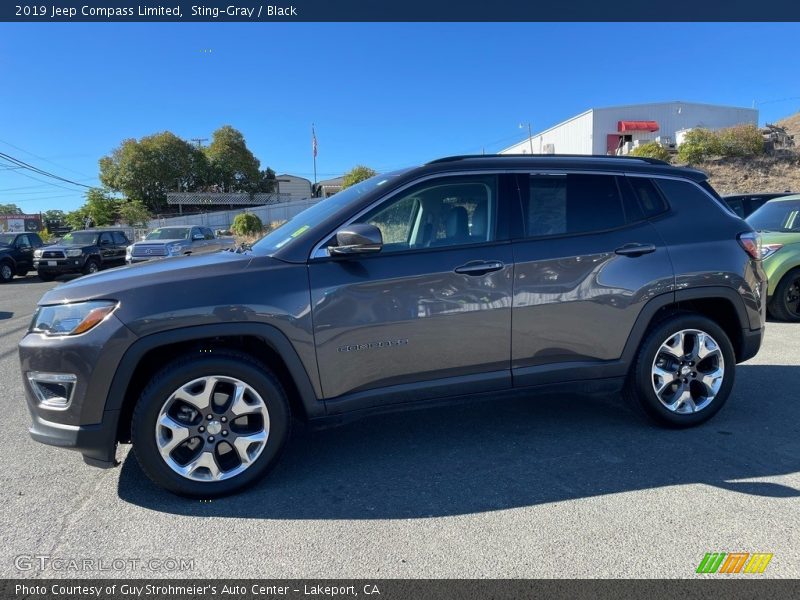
(120, 244)
(107, 249)
(587, 261)
(430, 314)
(197, 240)
(210, 243)
(24, 253)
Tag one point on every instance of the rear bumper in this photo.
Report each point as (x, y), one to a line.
(97, 443)
(751, 342)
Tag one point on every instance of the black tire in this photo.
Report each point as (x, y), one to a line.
(785, 302)
(45, 276)
(640, 384)
(224, 363)
(92, 266)
(21, 272)
(6, 271)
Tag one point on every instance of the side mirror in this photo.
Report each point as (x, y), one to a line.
(359, 238)
(198, 236)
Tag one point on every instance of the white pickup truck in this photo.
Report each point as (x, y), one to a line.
(176, 240)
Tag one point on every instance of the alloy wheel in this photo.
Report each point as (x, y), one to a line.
(688, 371)
(212, 428)
(793, 297)
(6, 273)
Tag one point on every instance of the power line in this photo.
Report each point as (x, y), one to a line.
(43, 158)
(21, 163)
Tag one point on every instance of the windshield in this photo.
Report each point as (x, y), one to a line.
(169, 233)
(294, 228)
(781, 215)
(6, 239)
(82, 238)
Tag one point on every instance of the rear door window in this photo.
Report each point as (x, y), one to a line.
(572, 203)
(651, 200)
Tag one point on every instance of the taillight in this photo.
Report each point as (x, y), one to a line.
(751, 242)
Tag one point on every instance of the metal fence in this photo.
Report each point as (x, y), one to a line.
(272, 213)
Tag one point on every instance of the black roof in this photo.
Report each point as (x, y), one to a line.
(568, 161)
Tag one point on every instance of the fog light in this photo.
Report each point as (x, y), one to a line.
(52, 390)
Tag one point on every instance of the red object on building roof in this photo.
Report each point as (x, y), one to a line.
(637, 126)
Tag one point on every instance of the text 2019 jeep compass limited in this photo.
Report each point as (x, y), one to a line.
(468, 276)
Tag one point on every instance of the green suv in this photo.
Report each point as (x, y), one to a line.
(778, 222)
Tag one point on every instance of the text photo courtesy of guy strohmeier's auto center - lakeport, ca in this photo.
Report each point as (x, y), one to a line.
(391, 309)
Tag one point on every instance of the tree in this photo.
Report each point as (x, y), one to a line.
(77, 218)
(10, 209)
(231, 165)
(101, 207)
(149, 168)
(356, 175)
(652, 150)
(53, 215)
(134, 213)
(247, 224)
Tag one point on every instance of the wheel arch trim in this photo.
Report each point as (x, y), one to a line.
(270, 335)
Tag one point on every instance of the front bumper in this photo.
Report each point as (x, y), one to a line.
(59, 265)
(84, 424)
(97, 443)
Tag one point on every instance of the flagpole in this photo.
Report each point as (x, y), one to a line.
(314, 152)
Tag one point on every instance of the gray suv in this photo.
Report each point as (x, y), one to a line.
(464, 278)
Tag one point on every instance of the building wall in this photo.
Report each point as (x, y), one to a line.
(570, 137)
(670, 116)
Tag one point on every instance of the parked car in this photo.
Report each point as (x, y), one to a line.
(466, 277)
(745, 204)
(176, 241)
(778, 222)
(86, 251)
(16, 254)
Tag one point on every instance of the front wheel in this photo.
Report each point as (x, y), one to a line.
(6, 272)
(91, 266)
(210, 424)
(684, 371)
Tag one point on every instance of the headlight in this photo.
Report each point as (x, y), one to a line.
(768, 250)
(37, 253)
(71, 319)
(74, 252)
(174, 249)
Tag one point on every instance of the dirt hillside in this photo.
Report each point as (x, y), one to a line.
(762, 174)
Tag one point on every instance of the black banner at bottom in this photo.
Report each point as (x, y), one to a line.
(730, 588)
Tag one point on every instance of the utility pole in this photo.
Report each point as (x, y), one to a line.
(530, 136)
(199, 141)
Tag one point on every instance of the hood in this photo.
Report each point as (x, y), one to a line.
(60, 246)
(160, 242)
(113, 283)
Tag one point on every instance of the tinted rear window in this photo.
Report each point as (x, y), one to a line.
(676, 188)
(651, 201)
(573, 203)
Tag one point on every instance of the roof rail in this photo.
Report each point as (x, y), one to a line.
(644, 159)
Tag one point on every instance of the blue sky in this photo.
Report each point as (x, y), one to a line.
(385, 95)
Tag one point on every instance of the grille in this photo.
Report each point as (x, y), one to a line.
(150, 250)
(53, 254)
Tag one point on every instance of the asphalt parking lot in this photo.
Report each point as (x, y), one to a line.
(541, 487)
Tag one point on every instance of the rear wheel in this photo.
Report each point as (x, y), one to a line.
(785, 303)
(684, 371)
(6, 272)
(210, 424)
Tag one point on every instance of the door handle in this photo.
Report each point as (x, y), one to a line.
(635, 249)
(479, 268)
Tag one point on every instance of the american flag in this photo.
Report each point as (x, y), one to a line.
(313, 142)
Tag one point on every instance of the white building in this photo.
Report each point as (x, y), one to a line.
(618, 129)
(298, 188)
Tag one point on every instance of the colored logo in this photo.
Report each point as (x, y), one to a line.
(734, 562)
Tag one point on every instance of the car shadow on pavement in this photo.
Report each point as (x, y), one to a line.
(498, 455)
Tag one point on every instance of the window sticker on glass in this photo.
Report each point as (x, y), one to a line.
(284, 242)
(301, 231)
